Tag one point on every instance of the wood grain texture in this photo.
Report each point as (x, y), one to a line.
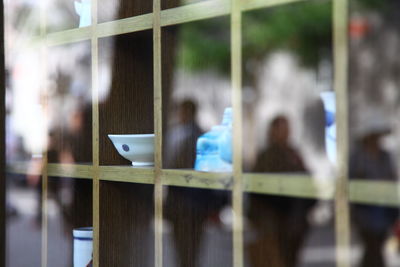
(342, 213)
(120, 9)
(194, 179)
(95, 134)
(236, 80)
(128, 109)
(283, 185)
(126, 209)
(127, 174)
(158, 125)
(170, 3)
(126, 212)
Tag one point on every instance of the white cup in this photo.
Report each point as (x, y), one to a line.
(83, 246)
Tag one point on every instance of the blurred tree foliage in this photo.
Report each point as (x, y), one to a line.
(205, 44)
(303, 28)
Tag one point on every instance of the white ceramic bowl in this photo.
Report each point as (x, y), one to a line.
(137, 148)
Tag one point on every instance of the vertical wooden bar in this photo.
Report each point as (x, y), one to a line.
(44, 74)
(236, 76)
(340, 22)
(158, 208)
(95, 135)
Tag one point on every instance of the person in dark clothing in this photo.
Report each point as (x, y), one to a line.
(280, 222)
(181, 139)
(187, 208)
(369, 161)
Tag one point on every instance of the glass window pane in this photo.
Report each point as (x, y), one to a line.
(165, 4)
(67, 14)
(70, 104)
(196, 95)
(289, 153)
(69, 206)
(120, 9)
(374, 131)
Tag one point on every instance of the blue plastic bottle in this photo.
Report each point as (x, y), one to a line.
(225, 141)
(214, 148)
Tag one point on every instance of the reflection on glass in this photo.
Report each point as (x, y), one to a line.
(196, 91)
(281, 222)
(24, 219)
(66, 14)
(21, 20)
(373, 223)
(181, 139)
(69, 207)
(25, 136)
(279, 156)
(175, 3)
(69, 104)
(196, 87)
(374, 128)
(287, 71)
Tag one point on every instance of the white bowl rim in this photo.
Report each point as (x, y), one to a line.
(131, 135)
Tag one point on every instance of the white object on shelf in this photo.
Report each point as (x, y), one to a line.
(137, 148)
(83, 246)
(83, 9)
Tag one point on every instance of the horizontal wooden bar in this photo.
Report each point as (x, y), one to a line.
(68, 36)
(127, 174)
(191, 178)
(70, 170)
(360, 191)
(193, 12)
(375, 192)
(278, 184)
(133, 24)
(257, 4)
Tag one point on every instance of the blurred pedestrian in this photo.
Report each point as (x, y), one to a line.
(281, 222)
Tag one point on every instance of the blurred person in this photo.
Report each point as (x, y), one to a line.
(369, 161)
(182, 137)
(187, 208)
(280, 222)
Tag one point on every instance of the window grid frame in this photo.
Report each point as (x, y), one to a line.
(237, 182)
